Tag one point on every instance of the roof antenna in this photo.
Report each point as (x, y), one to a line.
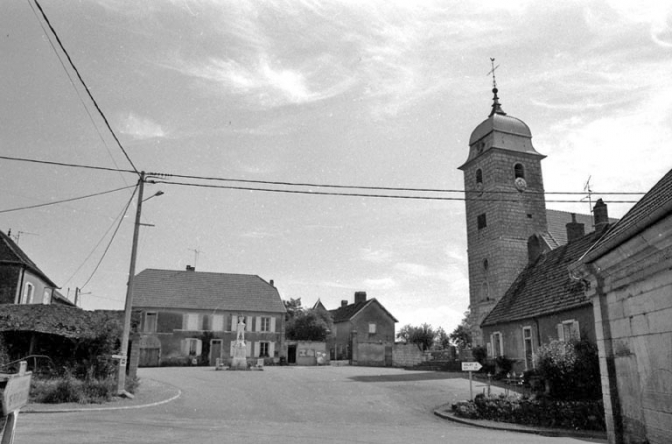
(587, 188)
(197, 252)
(496, 107)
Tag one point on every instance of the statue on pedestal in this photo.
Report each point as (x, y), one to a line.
(240, 329)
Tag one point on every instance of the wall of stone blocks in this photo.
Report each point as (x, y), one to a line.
(407, 355)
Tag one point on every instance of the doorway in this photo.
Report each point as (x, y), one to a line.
(215, 351)
(291, 354)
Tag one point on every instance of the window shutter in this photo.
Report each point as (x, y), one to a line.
(248, 323)
(271, 349)
(258, 327)
(199, 347)
(231, 348)
(234, 323)
(273, 324)
(489, 347)
(248, 348)
(184, 346)
(218, 323)
(575, 331)
(561, 335)
(256, 349)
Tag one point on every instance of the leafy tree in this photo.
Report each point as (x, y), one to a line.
(293, 307)
(461, 336)
(308, 325)
(442, 339)
(423, 336)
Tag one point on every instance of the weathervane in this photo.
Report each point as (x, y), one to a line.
(492, 71)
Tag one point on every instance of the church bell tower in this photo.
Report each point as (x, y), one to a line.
(505, 205)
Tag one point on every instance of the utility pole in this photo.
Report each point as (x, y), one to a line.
(123, 355)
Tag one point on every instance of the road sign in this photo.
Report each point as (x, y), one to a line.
(15, 394)
(471, 366)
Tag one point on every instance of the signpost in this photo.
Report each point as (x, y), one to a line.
(471, 367)
(14, 396)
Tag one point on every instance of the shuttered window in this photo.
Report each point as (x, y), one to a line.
(218, 323)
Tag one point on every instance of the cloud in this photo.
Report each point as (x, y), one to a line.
(141, 128)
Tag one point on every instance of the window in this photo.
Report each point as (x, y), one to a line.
(150, 322)
(372, 329)
(190, 322)
(479, 176)
(264, 324)
(192, 347)
(28, 294)
(263, 350)
(497, 346)
(527, 348)
(518, 171)
(218, 323)
(568, 330)
(481, 222)
(46, 296)
(206, 323)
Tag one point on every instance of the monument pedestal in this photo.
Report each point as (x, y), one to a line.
(239, 360)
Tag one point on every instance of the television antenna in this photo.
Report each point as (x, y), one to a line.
(197, 253)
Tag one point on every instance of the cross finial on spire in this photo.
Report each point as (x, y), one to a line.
(496, 107)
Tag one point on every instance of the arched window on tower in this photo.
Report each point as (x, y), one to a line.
(479, 176)
(519, 171)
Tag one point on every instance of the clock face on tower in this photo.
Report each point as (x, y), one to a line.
(520, 183)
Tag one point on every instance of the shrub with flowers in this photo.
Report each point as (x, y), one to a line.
(575, 415)
(571, 369)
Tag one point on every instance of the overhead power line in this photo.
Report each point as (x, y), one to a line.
(65, 200)
(72, 64)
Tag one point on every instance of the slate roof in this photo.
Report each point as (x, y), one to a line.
(11, 254)
(545, 286)
(56, 319)
(346, 313)
(655, 205)
(205, 291)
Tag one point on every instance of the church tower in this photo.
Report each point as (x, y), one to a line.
(505, 205)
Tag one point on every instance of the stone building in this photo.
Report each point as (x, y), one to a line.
(505, 206)
(629, 281)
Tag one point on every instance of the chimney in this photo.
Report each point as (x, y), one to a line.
(533, 248)
(190, 268)
(344, 302)
(575, 230)
(360, 296)
(600, 215)
(272, 283)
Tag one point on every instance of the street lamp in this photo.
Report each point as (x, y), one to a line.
(123, 355)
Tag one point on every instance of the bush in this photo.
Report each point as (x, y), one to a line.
(479, 353)
(504, 364)
(67, 388)
(576, 415)
(571, 369)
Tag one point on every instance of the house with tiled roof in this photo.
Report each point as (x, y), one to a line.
(192, 316)
(363, 332)
(545, 301)
(629, 282)
(21, 280)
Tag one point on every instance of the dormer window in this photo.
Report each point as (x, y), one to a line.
(519, 171)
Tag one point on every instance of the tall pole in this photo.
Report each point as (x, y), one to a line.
(121, 380)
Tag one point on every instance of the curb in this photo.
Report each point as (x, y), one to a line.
(165, 392)
(444, 412)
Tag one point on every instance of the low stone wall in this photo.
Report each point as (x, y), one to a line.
(407, 355)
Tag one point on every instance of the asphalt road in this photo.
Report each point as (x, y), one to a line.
(279, 405)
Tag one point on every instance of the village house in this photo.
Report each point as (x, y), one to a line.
(191, 316)
(21, 280)
(363, 332)
(544, 302)
(630, 285)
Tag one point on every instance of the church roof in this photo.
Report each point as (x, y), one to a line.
(545, 286)
(192, 289)
(502, 123)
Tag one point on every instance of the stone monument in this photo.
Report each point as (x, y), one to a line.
(239, 358)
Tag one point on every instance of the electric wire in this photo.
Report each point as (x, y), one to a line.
(121, 214)
(114, 235)
(72, 199)
(72, 83)
(102, 115)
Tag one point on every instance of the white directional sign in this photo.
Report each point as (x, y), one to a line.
(471, 366)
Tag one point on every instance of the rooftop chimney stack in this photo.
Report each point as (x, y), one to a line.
(344, 302)
(575, 230)
(272, 283)
(190, 268)
(360, 296)
(600, 215)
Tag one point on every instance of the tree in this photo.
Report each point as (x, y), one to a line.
(442, 340)
(293, 307)
(422, 336)
(461, 336)
(308, 325)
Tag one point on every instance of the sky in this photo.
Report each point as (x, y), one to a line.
(348, 93)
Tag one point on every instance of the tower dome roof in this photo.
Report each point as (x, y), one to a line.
(500, 123)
